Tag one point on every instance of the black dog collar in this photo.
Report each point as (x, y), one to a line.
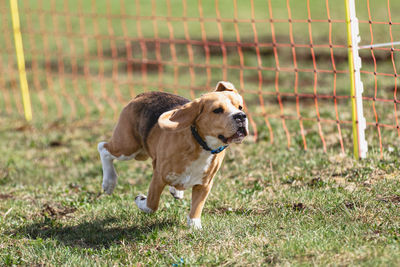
(203, 144)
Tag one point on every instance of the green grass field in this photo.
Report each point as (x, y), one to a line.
(270, 205)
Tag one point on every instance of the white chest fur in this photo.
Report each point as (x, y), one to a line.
(194, 173)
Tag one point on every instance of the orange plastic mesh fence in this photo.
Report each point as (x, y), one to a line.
(86, 59)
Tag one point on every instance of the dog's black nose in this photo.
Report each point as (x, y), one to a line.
(240, 116)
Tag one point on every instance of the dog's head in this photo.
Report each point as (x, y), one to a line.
(218, 116)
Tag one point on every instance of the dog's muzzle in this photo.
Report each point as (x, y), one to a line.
(240, 121)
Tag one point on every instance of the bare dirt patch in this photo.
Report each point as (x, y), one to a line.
(56, 212)
(6, 196)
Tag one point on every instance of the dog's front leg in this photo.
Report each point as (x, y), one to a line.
(150, 203)
(199, 196)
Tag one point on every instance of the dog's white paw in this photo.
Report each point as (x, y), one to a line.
(141, 202)
(194, 223)
(109, 174)
(177, 194)
(109, 184)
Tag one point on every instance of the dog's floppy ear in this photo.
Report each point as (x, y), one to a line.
(180, 118)
(225, 86)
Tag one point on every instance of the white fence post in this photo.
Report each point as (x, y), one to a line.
(359, 123)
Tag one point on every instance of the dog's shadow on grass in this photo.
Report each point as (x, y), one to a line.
(95, 234)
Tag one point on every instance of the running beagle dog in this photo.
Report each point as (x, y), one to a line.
(186, 141)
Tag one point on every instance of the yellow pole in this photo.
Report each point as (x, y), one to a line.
(352, 82)
(19, 49)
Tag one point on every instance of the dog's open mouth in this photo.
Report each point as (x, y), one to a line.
(238, 137)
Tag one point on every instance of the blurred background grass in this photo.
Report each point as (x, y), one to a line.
(86, 59)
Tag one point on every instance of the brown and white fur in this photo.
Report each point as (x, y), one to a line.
(158, 125)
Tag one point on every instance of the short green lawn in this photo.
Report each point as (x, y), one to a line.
(269, 205)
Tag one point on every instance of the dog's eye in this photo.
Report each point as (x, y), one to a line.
(240, 107)
(218, 110)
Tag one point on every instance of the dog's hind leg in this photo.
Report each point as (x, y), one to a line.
(107, 161)
(109, 174)
(177, 194)
(122, 146)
